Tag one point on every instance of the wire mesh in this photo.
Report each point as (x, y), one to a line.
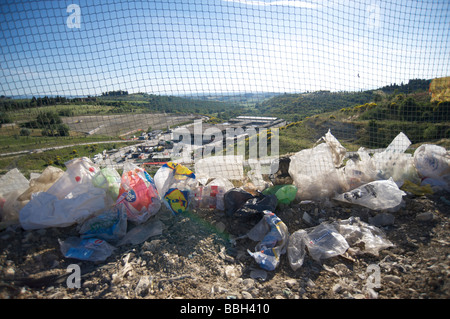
(90, 77)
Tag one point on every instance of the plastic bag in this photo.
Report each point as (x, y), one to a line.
(285, 193)
(13, 180)
(296, 249)
(315, 171)
(324, 241)
(90, 249)
(43, 182)
(110, 225)
(240, 203)
(142, 232)
(175, 183)
(109, 179)
(359, 171)
(432, 163)
(356, 231)
(138, 194)
(46, 210)
(267, 252)
(76, 179)
(377, 195)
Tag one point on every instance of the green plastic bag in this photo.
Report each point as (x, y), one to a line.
(284, 193)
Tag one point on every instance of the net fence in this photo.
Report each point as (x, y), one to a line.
(125, 81)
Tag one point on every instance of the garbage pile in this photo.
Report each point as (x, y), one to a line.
(112, 210)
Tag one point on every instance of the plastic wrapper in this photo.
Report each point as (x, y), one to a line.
(377, 195)
(138, 194)
(273, 245)
(110, 225)
(175, 183)
(89, 249)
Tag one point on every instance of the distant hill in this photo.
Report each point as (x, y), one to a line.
(295, 107)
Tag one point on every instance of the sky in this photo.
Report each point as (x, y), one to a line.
(219, 46)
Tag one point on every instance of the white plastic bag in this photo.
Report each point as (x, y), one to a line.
(43, 182)
(46, 210)
(175, 183)
(377, 195)
(433, 165)
(315, 171)
(76, 180)
(356, 231)
(324, 241)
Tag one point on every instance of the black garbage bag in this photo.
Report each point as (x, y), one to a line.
(244, 210)
(240, 203)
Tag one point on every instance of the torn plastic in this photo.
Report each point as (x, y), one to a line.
(110, 225)
(333, 239)
(394, 163)
(356, 232)
(377, 195)
(138, 194)
(89, 249)
(273, 244)
(12, 185)
(315, 171)
(43, 182)
(142, 232)
(175, 183)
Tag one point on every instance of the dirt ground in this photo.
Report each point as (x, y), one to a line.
(199, 256)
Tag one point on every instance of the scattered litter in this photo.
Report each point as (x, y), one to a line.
(90, 249)
(138, 194)
(285, 193)
(212, 195)
(267, 252)
(110, 225)
(330, 239)
(174, 183)
(377, 195)
(142, 232)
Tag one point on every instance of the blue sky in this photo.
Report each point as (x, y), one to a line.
(202, 46)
